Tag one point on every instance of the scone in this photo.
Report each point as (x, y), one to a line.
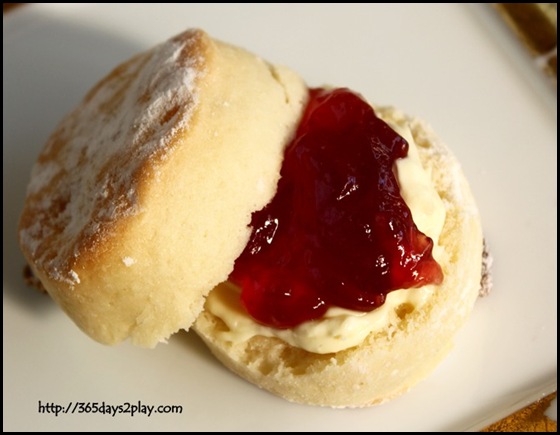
(170, 197)
(141, 199)
(352, 359)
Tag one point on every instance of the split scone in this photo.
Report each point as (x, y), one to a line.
(324, 250)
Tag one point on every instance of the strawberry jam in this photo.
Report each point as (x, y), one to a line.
(338, 232)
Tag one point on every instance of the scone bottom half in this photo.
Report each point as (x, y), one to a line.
(407, 336)
(147, 196)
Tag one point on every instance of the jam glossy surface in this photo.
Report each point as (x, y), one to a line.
(337, 232)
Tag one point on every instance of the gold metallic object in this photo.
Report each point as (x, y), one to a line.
(536, 25)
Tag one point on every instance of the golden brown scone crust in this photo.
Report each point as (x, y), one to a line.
(140, 201)
(391, 361)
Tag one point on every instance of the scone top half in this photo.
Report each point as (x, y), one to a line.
(141, 200)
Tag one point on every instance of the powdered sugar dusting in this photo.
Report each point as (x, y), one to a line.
(74, 277)
(42, 175)
(87, 176)
(128, 261)
(442, 157)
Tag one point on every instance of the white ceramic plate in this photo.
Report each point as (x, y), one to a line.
(447, 64)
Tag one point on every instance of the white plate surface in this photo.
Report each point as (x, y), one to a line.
(449, 64)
